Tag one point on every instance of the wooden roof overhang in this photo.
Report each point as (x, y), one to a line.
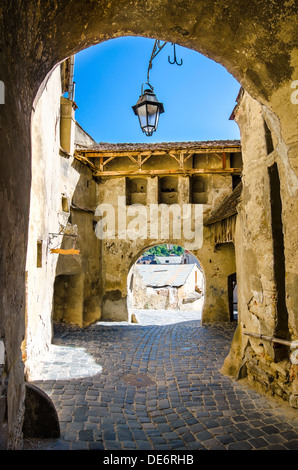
(227, 207)
(140, 154)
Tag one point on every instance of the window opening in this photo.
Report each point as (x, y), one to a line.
(168, 190)
(39, 254)
(278, 252)
(268, 139)
(198, 190)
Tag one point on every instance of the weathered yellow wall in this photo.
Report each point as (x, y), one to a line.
(256, 41)
(61, 192)
(118, 255)
(53, 177)
(266, 364)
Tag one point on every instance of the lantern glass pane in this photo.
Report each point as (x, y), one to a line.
(152, 111)
(142, 115)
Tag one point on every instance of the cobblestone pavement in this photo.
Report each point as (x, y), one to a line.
(156, 387)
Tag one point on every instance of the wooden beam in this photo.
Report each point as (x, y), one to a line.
(120, 154)
(188, 157)
(101, 172)
(134, 160)
(224, 161)
(101, 164)
(85, 161)
(104, 162)
(184, 171)
(181, 159)
(175, 158)
(146, 158)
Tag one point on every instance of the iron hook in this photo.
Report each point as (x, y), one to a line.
(175, 58)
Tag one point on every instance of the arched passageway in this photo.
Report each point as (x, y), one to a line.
(127, 229)
(255, 41)
(165, 285)
(92, 285)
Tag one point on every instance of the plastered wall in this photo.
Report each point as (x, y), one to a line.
(267, 285)
(119, 252)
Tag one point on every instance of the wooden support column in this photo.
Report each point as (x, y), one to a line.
(224, 160)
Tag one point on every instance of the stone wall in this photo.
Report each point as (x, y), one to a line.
(265, 268)
(85, 268)
(61, 216)
(144, 297)
(255, 41)
(47, 217)
(119, 251)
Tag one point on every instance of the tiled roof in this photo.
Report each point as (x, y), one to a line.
(226, 208)
(160, 275)
(108, 147)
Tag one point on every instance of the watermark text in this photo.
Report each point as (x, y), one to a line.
(150, 222)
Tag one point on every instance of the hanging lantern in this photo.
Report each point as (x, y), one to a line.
(148, 110)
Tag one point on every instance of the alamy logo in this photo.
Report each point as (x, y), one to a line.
(2, 92)
(151, 222)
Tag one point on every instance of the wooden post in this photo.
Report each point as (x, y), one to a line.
(224, 161)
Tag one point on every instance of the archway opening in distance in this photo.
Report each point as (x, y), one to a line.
(165, 285)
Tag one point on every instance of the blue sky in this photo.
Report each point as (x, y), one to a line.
(198, 96)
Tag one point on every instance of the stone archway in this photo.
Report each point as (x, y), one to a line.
(126, 230)
(216, 267)
(255, 41)
(161, 298)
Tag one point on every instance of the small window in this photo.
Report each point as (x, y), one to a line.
(168, 190)
(136, 191)
(198, 190)
(65, 204)
(39, 254)
(236, 160)
(268, 139)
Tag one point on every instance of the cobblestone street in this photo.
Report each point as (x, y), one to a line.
(156, 387)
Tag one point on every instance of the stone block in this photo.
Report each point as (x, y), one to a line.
(278, 368)
(293, 400)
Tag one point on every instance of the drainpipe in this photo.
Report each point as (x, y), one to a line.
(71, 86)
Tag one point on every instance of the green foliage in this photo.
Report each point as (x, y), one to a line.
(162, 250)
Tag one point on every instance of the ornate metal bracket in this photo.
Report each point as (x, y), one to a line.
(158, 46)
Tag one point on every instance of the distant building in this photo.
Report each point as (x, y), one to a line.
(189, 258)
(146, 259)
(169, 259)
(167, 286)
